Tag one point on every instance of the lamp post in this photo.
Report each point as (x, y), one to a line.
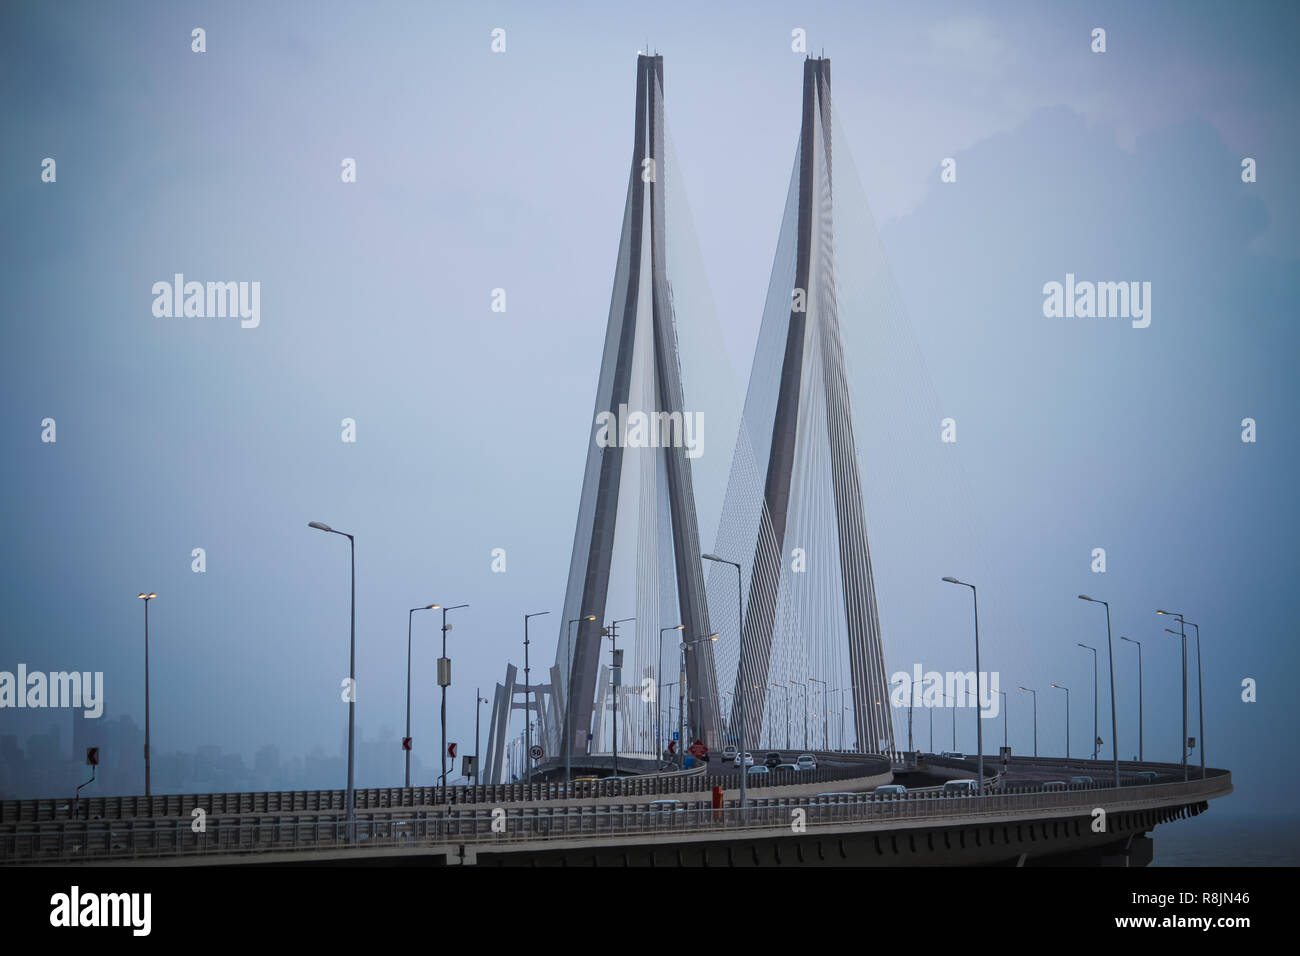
(805, 711)
(1200, 698)
(824, 711)
(1067, 717)
(146, 598)
(406, 741)
(979, 706)
(352, 678)
(1141, 750)
(444, 681)
(1035, 693)
(1095, 738)
(1110, 663)
(615, 675)
(528, 708)
(483, 700)
(954, 721)
(740, 648)
(786, 690)
(658, 711)
(568, 699)
(1181, 633)
(1004, 717)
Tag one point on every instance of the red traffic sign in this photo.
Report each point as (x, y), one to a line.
(698, 750)
(92, 756)
(535, 751)
(451, 750)
(672, 746)
(406, 743)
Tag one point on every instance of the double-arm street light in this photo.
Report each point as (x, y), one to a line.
(146, 598)
(352, 678)
(528, 706)
(406, 741)
(1067, 717)
(1004, 717)
(1141, 749)
(444, 681)
(1182, 633)
(740, 649)
(979, 718)
(1110, 664)
(805, 711)
(1030, 690)
(786, 690)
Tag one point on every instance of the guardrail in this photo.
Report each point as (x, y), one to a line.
(695, 780)
(144, 838)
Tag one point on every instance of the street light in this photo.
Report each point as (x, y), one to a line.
(352, 678)
(1004, 717)
(146, 598)
(1141, 751)
(528, 708)
(444, 681)
(1035, 693)
(615, 674)
(787, 711)
(1095, 738)
(825, 718)
(1200, 698)
(406, 741)
(979, 708)
(681, 696)
(740, 642)
(805, 711)
(1067, 717)
(659, 714)
(1110, 663)
(1181, 633)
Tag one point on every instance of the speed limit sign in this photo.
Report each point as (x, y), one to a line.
(535, 751)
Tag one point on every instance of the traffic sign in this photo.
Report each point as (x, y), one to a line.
(406, 743)
(672, 746)
(451, 750)
(535, 751)
(698, 750)
(676, 735)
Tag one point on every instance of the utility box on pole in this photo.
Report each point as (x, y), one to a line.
(444, 672)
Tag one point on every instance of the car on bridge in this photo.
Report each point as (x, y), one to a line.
(959, 788)
(1080, 781)
(1147, 775)
(952, 755)
(729, 752)
(1054, 785)
(748, 758)
(807, 762)
(664, 812)
(890, 790)
(772, 759)
(759, 769)
(787, 768)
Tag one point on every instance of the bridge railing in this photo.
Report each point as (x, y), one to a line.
(696, 780)
(79, 840)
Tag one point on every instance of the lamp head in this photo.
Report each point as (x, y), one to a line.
(319, 526)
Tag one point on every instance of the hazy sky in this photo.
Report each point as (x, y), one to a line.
(479, 170)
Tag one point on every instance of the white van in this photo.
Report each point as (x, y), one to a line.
(959, 788)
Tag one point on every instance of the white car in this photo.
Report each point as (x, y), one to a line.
(729, 752)
(759, 769)
(749, 760)
(807, 762)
